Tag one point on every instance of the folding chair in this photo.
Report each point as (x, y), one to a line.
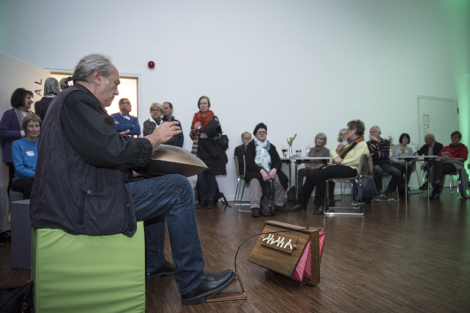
(240, 187)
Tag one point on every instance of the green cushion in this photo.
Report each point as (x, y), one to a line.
(88, 273)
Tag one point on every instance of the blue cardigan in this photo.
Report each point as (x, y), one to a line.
(10, 130)
(25, 156)
(125, 124)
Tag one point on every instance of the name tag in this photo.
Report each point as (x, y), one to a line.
(30, 153)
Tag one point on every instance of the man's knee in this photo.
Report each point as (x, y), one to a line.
(378, 171)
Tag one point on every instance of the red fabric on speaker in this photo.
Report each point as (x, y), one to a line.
(304, 268)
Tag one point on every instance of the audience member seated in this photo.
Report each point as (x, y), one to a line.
(25, 155)
(156, 110)
(450, 159)
(431, 147)
(318, 151)
(10, 126)
(379, 149)
(398, 151)
(344, 159)
(211, 152)
(343, 136)
(51, 89)
(177, 140)
(263, 166)
(240, 151)
(123, 121)
(84, 183)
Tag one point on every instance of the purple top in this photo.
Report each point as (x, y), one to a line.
(10, 131)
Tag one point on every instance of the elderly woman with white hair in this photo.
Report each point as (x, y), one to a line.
(155, 120)
(51, 89)
(318, 151)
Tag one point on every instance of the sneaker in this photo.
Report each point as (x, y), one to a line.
(389, 195)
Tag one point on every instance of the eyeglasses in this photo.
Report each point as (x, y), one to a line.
(246, 138)
(261, 133)
(155, 110)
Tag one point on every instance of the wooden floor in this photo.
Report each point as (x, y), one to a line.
(398, 257)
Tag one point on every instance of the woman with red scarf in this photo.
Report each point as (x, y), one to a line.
(450, 159)
(344, 162)
(206, 182)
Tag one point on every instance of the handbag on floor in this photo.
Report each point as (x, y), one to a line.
(364, 189)
(267, 207)
(17, 299)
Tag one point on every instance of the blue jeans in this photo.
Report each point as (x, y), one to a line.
(389, 169)
(169, 196)
(206, 186)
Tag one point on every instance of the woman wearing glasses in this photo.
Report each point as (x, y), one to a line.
(450, 159)
(263, 165)
(156, 110)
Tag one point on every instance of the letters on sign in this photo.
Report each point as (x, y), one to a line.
(280, 242)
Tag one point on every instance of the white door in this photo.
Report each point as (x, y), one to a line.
(18, 74)
(437, 116)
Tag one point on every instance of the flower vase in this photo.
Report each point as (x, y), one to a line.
(290, 151)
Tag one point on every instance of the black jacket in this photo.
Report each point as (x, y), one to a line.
(435, 150)
(239, 152)
(210, 150)
(253, 170)
(82, 167)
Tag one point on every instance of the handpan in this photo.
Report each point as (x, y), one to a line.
(168, 159)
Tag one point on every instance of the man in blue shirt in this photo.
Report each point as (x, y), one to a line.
(123, 121)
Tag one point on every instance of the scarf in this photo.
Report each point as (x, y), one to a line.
(204, 119)
(20, 115)
(263, 158)
(351, 144)
(156, 121)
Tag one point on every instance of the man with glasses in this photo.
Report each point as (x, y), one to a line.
(177, 140)
(240, 151)
(431, 147)
(123, 121)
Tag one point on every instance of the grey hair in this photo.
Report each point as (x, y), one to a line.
(89, 63)
(321, 135)
(245, 133)
(51, 86)
(432, 136)
(156, 105)
(376, 127)
(339, 134)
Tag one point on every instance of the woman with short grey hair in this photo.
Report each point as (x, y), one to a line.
(51, 89)
(318, 151)
(155, 120)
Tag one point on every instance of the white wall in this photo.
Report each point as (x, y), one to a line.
(299, 66)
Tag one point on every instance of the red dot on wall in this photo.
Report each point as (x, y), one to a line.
(151, 64)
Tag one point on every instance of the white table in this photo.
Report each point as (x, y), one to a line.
(407, 159)
(297, 161)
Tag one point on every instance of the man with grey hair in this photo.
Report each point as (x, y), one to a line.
(431, 147)
(379, 149)
(84, 182)
(124, 121)
(240, 151)
(51, 89)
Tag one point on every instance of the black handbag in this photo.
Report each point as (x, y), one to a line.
(364, 189)
(267, 207)
(17, 299)
(223, 141)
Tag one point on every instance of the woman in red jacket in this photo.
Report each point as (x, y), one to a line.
(450, 159)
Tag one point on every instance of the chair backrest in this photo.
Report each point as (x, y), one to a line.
(365, 166)
(236, 166)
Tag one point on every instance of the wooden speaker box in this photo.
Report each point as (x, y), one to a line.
(283, 252)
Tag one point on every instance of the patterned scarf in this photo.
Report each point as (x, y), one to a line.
(351, 144)
(263, 158)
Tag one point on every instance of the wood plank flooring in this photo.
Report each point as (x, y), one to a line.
(399, 257)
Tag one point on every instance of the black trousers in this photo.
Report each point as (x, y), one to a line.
(440, 169)
(407, 175)
(318, 179)
(24, 185)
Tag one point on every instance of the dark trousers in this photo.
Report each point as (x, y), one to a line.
(402, 169)
(24, 185)
(318, 179)
(11, 173)
(440, 169)
(206, 186)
